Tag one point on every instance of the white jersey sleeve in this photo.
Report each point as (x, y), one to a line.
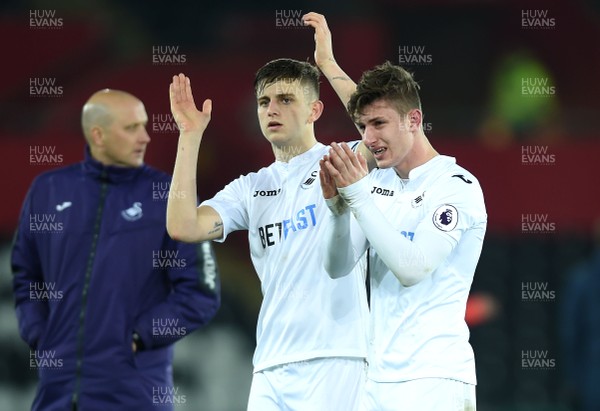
(342, 247)
(456, 207)
(231, 204)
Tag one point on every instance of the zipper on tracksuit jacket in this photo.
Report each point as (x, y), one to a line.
(84, 293)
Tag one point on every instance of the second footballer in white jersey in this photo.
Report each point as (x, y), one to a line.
(419, 330)
(418, 335)
(419, 353)
(311, 332)
(423, 219)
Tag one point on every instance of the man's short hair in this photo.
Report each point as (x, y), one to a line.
(287, 69)
(385, 82)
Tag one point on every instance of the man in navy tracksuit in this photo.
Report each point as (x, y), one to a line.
(101, 291)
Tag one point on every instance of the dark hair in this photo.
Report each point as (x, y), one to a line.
(287, 69)
(387, 82)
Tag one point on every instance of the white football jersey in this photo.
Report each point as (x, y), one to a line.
(420, 331)
(304, 313)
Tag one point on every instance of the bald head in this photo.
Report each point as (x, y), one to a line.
(114, 124)
(100, 109)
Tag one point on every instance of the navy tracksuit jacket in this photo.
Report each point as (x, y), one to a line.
(93, 264)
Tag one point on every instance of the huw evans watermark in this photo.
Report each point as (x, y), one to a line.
(537, 223)
(168, 55)
(168, 259)
(537, 291)
(167, 327)
(45, 19)
(44, 87)
(537, 156)
(289, 19)
(164, 124)
(45, 223)
(537, 87)
(44, 359)
(44, 291)
(168, 396)
(164, 190)
(537, 19)
(44, 156)
(414, 56)
(537, 360)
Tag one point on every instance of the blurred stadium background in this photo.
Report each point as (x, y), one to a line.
(510, 88)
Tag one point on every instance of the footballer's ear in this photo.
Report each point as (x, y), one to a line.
(415, 118)
(316, 109)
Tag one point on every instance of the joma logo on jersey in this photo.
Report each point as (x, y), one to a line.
(275, 233)
(266, 193)
(382, 191)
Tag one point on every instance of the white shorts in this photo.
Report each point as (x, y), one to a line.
(322, 384)
(424, 394)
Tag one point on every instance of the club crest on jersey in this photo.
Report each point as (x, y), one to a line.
(133, 213)
(445, 217)
(418, 201)
(310, 180)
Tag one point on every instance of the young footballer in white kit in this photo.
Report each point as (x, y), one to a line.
(424, 219)
(311, 332)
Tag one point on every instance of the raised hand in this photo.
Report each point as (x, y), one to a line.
(327, 183)
(188, 118)
(323, 43)
(344, 166)
(339, 80)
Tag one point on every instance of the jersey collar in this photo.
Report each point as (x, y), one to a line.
(303, 158)
(438, 161)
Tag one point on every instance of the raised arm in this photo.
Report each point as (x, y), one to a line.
(339, 80)
(185, 221)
